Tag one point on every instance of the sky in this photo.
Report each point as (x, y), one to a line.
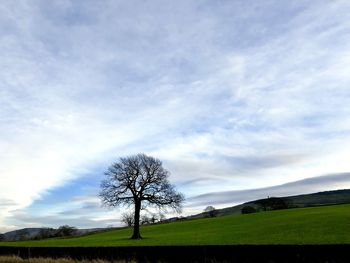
(239, 99)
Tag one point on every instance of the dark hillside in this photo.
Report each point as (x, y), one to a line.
(44, 233)
(297, 201)
(22, 234)
(321, 198)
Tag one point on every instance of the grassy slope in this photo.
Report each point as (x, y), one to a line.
(306, 200)
(316, 225)
(321, 198)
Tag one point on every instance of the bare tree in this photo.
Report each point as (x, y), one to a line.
(128, 219)
(211, 211)
(66, 230)
(139, 180)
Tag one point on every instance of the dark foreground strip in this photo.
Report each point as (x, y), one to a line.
(234, 253)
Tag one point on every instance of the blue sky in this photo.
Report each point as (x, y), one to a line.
(232, 96)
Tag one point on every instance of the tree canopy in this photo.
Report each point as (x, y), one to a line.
(139, 180)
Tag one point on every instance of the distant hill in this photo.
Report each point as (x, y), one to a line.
(25, 233)
(321, 198)
(43, 233)
(297, 201)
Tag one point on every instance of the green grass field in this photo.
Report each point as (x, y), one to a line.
(317, 225)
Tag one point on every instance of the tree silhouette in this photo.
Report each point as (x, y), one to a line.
(139, 180)
(66, 230)
(210, 211)
(128, 219)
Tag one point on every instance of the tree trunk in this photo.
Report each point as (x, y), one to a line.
(136, 234)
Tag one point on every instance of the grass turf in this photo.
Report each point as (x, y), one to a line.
(316, 225)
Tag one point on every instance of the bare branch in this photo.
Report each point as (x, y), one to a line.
(136, 179)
